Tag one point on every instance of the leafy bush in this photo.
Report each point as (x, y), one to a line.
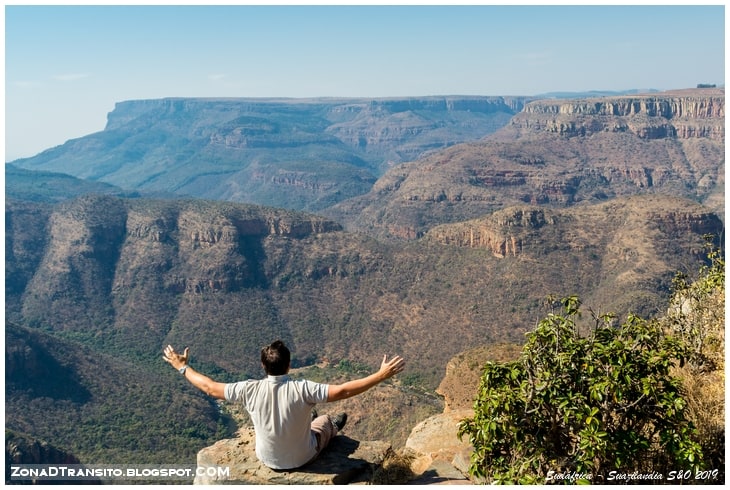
(583, 405)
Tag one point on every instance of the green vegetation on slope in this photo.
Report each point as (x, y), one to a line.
(103, 409)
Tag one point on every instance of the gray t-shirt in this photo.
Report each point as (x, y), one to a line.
(281, 412)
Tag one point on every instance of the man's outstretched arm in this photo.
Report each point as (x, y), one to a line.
(200, 381)
(357, 386)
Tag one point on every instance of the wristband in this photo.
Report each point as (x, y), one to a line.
(182, 369)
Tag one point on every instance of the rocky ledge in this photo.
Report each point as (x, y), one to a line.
(344, 461)
(433, 454)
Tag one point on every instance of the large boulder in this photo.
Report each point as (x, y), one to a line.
(436, 444)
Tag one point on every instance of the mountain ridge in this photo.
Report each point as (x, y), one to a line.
(297, 153)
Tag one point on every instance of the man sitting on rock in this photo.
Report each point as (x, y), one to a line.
(288, 435)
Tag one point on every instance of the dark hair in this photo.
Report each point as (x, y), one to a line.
(275, 358)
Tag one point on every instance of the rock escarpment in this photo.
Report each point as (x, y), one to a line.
(680, 114)
(497, 233)
(26, 450)
(402, 129)
(522, 229)
(100, 245)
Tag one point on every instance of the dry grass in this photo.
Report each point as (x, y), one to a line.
(704, 381)
(395, 470)
(705, 396)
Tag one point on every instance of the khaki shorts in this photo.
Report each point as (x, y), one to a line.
(324, 429)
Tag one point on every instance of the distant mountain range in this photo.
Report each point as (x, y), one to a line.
(465, 155)
(304, 154)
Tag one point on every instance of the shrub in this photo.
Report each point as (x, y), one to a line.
(582, 406)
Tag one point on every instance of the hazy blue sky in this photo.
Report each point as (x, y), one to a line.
(66, 67)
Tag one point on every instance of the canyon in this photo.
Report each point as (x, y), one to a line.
(425, 226)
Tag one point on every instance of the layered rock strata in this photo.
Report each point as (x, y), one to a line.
(680, 114)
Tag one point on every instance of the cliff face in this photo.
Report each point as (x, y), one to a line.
(99, 247)
(696, 114)
(495, 234)
(515, 230)
(23, 450)
(401, 129)
(335, 110)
